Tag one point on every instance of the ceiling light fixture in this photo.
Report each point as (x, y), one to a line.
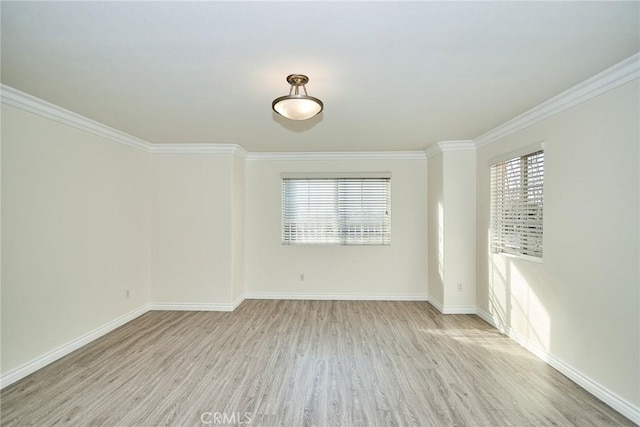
(295, 106)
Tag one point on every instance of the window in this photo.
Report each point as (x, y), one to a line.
(516, 205)
(336, 211)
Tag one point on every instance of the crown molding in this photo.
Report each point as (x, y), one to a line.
(241, 152)
(442, 146)
(339, 155)
(199, 148)
(31, 104)
(617, 75)
(461, 145)
(432, 150)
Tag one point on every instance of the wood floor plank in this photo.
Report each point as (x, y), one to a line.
(303, 363)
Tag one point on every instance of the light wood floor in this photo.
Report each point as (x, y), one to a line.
(295, 363)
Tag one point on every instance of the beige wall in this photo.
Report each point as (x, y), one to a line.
(191, 226)
(75, 234)
(459, 168)
(365, 271)
(435, 218)
(452, 229)
(237, 230)
(581, 304)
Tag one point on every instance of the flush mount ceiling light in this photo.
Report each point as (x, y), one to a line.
(295, 106)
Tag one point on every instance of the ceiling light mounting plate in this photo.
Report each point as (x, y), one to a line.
(297, 79)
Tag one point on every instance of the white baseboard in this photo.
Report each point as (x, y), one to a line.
(451, 309)
(610, 398)
(237, 302)
(607, 396)
(191, 306)
(57, 353)
(335, 297)
(487, 318)
(437, 304)
(458, 310)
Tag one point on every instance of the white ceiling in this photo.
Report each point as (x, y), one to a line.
(393, 75)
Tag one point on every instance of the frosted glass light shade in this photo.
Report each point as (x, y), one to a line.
(297, 107)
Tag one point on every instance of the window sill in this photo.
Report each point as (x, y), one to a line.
(521, 257)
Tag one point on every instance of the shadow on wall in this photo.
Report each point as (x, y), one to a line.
(513, 302)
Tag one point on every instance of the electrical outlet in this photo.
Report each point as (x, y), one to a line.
(301, 277)
(459, 287)
(127, 293)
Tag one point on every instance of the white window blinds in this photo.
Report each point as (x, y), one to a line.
(336, 211)
(517, 205)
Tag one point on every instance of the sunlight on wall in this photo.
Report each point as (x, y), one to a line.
(514, 303)
(528, 309)
(499, 304)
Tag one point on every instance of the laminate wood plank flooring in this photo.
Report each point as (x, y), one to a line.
(303, 363)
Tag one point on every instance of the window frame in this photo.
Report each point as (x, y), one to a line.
(341, 208)
(525, 218)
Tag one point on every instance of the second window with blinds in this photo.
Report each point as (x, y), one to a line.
(517, 185)
(336, 210)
